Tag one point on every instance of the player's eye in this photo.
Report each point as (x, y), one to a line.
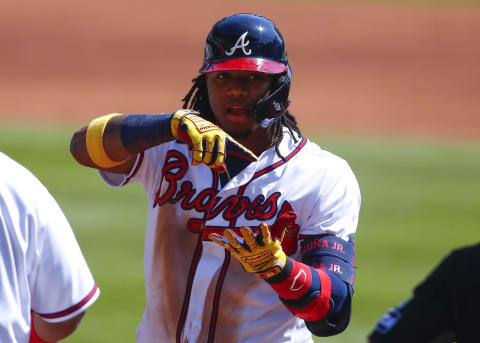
(223, 76)
(257, 77)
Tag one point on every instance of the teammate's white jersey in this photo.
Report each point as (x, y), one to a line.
(42, 267)
(196, 292)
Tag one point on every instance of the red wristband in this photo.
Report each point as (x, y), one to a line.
(305, 291)
(296, 283)
(33, 334)
(318, 307)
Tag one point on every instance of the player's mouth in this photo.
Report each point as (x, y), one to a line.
(238, 112)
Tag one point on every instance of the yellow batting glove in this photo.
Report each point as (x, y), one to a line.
(207, 140)
(258, 254)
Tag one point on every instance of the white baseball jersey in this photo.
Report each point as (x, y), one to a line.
(196, 291)
(42, 267)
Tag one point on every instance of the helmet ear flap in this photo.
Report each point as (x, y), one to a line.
(268, 110)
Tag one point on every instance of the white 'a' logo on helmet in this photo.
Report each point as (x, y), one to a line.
(241, 43)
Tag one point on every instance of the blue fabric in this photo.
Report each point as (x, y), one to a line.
(339, 294)
(332, 254)
(138, 128)
(336, 257)
(236, 160)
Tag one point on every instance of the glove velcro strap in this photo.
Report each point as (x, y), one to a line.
(201, 125)
(177, 120)
(94, 142)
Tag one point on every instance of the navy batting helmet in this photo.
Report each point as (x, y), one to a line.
(251, 42)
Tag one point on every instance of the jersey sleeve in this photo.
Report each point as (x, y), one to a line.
(335, 202)
(145, 170)
(61, 283)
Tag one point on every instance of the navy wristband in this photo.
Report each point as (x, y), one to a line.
(140, 130)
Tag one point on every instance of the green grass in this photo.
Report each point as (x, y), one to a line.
(419, 201)
(109, 225)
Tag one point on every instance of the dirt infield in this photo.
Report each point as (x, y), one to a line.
(356, 68)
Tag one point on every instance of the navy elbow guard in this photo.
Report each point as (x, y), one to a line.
(320, 289)
(336, 257)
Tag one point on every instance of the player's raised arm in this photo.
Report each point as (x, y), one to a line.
(111, 142)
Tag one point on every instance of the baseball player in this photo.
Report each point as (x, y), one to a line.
(443, 308)
(45, 283)
(250, 225)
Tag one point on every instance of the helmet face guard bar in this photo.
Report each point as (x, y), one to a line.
(271, 108)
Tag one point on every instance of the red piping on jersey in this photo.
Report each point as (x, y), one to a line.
(226, 263)
(241, 190)
(204, 236)
(137, 167)
(188, 290)
(236, 153)
(191, 274)
(72, 308)
(281, 162)
(216, 298)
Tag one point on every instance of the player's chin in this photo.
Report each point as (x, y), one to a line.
(241, 133)
(238, 128)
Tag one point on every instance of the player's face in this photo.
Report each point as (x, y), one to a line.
(232, 96)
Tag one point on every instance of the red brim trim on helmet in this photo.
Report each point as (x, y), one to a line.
(251, 64)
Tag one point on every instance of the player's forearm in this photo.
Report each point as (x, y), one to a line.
(312, 294)
(43, 331)
(307, 292)
(111, 142)
(139, 132)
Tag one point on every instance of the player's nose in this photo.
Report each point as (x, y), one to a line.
(238, 88)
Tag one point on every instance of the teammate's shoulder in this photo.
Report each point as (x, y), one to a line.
(12, 167)
(7, 162)
(18, 176)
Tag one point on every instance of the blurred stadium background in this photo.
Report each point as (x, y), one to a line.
(393, 87)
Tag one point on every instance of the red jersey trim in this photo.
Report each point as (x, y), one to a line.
(281, 162)
(72, 308)
(135, 170)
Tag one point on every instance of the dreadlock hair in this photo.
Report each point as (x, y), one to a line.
(197, 100)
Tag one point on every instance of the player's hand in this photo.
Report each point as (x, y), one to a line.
(207, 140)
(258, 254)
